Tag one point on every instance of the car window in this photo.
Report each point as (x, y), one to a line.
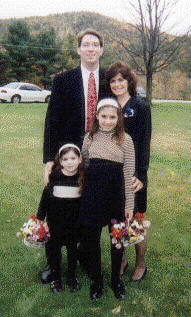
(35, 88)
(24, 87)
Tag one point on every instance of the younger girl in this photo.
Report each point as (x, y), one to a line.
(60, 203)
(108, 154)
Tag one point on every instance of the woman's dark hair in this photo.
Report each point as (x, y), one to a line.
(119, 129)
(126, 72)
(80, 167)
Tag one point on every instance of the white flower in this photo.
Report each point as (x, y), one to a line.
(18, 234)
(146, 223)
(135, 223)
(28, 231)
(116, 226)
(114, 240)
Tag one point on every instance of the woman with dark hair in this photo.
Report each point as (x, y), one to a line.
(122, 83)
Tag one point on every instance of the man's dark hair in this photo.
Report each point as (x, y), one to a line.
(91, 32)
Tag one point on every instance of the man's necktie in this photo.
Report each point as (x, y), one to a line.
(92, 100)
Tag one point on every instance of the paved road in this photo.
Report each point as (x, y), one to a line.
(163, 100)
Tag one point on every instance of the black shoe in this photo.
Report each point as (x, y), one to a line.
(56, 286)
(118, 289)
(96, 290)
(73, 285)
(46, 275)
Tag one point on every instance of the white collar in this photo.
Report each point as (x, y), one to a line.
(86, 71)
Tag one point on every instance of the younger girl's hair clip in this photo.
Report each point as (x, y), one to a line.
(67, 146)
(107, 102)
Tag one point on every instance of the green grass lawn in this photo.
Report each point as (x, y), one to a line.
(166, 290)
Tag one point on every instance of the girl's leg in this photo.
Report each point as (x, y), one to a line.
(96, 289)
(116, 259)
(91, 238)
(124, 263)
(46, 273)
(83, 255)
(71, 248)
(140, 266)
(55, 246)
(72, 282)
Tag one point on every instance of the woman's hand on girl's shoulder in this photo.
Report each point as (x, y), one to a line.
(136, 184)
(47, 171)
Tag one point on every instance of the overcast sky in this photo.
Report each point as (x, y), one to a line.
(181, 19)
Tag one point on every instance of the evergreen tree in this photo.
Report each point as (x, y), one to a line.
(4, 65)
(68, 57)
(17, 45)
(44, 52)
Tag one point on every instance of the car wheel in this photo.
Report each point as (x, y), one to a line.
(47, 99)
(16, 99)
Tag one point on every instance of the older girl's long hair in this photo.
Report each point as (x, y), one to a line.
(119, 131)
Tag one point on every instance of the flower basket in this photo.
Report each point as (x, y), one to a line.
(34, 244)
(35, 233)
(129, 232)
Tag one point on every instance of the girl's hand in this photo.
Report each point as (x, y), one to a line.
(47, 171)
(128, 215)
(39, 222)
(136, 184)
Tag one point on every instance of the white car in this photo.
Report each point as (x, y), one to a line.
(23, 92)
(141, 92)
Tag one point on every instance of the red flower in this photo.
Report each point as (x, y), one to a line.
(140, 216)
(41, 232)
(33, 217)
(116, 233)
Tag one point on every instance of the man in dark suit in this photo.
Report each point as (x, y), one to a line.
(66, 118)
(67, 114)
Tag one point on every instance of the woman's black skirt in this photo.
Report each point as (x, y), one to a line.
(103, 197)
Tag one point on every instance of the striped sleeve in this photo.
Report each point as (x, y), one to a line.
(128, 170)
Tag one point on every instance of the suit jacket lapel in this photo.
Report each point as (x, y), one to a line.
(79, 91)
(79, 85)
(101, 80)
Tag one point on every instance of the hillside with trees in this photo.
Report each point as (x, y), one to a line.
(36, 48)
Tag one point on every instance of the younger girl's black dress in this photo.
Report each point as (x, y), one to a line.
(60, 203)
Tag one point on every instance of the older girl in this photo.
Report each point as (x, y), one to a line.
(108, 154)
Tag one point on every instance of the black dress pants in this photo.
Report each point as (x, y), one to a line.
(90, 240)
(54, 254)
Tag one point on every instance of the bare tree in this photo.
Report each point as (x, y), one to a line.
(150, 48)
